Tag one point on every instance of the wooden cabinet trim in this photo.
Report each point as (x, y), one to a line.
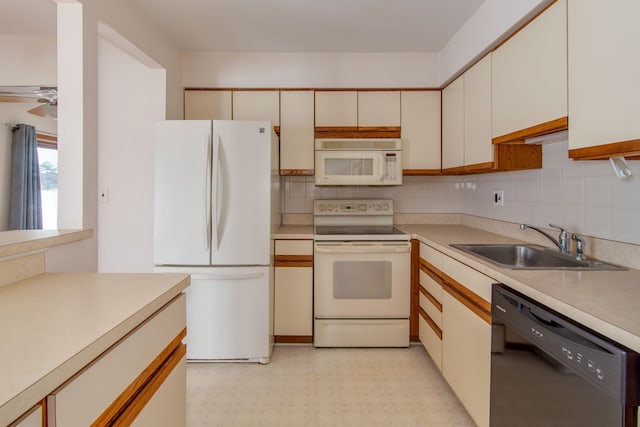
(519, 136)
(293, 260)
(600, 152)
(357, 132)
(414, 298)
(432, 271)
(128, 396)
(294, 339)
(421, 172)
(297, 172)
(431, 323)
(144, 396)
(469, 299)
(431, 298)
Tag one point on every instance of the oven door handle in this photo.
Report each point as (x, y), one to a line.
(362, 249)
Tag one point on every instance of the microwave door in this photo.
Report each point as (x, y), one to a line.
(349, 168)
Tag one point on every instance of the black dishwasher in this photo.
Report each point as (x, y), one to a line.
(547, 370)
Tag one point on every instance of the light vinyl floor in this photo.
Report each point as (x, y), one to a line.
(307, 386)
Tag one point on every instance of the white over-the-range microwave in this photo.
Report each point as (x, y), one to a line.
(369, 161)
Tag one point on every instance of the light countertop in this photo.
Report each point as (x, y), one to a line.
(54, 324)
(294, 232)
(605, 301)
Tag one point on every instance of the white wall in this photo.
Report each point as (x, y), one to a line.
(217, 69)
(125, 153)
(27, 60)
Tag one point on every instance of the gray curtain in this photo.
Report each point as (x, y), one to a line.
(25, 209)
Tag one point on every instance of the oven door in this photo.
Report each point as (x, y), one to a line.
(362, 280)
(357, 168)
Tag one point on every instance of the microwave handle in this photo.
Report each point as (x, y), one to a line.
(382, 167)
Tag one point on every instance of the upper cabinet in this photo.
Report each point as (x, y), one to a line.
(529, 77)
(467, 146)
(604, 78)
(453, 126)
(352, 114)
(207, 104)
(379, 108)
(336, 108)
(478, 149)
(420, 132)
(296, 132)
(257, 105)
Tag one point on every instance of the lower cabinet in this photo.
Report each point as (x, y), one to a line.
(140, 381)
(293, 311)
(455, 327)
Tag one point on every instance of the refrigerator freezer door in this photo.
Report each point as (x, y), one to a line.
(228, 314)
(241, 194)
(182, 207)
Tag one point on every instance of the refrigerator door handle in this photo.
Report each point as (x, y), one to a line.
(215, 185)
(228, 276)
(206, 196)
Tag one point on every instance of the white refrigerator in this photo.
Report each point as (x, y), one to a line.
(216, 206)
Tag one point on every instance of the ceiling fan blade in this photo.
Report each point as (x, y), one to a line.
(40, 110)
(9, 98)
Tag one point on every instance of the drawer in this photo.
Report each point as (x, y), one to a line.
(431, 255)
(431, 310)
(472, 279)
(85, 397)
(433, 287)
(431, 341)
(294, 247)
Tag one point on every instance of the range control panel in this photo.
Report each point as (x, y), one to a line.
(353, 207)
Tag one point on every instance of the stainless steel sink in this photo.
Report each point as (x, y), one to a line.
(531, 257)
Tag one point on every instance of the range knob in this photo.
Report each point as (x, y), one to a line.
(385, 206)
(321, 207)
(377, 206)
(362, 207)
(330, 207)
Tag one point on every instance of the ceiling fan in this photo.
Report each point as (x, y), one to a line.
(46, 96)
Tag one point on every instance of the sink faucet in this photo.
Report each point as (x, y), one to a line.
(562, 242)
(579, 247)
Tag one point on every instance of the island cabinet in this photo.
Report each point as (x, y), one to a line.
(32, 418)
(296, 132)
(357, 114)
(207, 104)
(529, 78)
(293, 301)
(420, 124)
(141, 380)
(604, 88)
(466, 343)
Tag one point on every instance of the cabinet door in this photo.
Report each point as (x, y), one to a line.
(296, 130)
(336, 108)
(420, 127)
(379, 108)
(530, 74)
(604, 88)
(478, 148)
(453, 125)
(466, 357)
(207, 105)
(293, 313)
(257, 105)
(33, 418)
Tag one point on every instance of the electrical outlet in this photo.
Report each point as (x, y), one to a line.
(498, 198)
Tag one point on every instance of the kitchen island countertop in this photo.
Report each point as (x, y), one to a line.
(606, 301)
(54, 324)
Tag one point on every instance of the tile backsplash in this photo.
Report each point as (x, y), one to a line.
(584, 196)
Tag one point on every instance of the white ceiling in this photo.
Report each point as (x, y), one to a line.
(279, 25)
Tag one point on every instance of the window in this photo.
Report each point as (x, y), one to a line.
(48, 160)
